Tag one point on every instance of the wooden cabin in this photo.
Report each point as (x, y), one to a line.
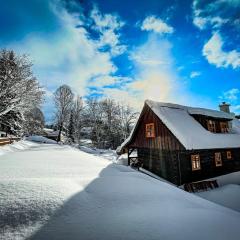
(184, 144)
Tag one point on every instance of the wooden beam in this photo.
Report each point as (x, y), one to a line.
(128, 158)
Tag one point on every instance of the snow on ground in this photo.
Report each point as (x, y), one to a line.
(40, 139)
(228, 196)
(105, 153)
(228, 193)
(231, 178)
(58, 192)
(16, 146)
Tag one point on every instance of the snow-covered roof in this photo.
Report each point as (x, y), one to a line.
(191, 110)
(51, 132)
(48, 130)
(190, 132)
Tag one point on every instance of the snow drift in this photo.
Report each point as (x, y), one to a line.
(40, 139)
(57, 192)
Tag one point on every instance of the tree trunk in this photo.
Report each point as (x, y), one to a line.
(59, 134)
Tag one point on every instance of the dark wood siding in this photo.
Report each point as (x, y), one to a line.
(208, 167)
(163, 163)
(164, 139)
(159, 154)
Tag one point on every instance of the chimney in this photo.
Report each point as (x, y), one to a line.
(224, 107)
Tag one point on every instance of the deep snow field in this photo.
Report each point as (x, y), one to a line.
(48, 191)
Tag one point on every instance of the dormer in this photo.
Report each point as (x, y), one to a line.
(215, 125)
(212, 120)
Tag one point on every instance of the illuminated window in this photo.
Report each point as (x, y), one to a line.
(196, 164)
(211, 126)
(150, 131)
(224, 127)
(218, 159)
(229, 155)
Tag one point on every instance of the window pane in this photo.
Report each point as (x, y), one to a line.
(150, 131)
(195, 160)
(218, 159)
(229, 155)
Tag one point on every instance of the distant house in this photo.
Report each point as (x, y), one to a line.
(51, 134)
(185, 144)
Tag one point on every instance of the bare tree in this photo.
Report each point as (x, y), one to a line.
(77, 118)
(110, 122)
(127, 117)
(63, 98)
(19, 89)
(94, 114)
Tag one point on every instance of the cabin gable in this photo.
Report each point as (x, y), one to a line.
(162, 138)
(157, 151)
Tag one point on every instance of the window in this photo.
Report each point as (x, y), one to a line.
(211, 125)
(229, 155)
(218, 159)
(196, 164)
(224, 127)
(150, 131)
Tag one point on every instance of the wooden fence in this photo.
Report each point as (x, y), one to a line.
(7, 140)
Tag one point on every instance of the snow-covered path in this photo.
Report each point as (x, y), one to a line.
(57, 192)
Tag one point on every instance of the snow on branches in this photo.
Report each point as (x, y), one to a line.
(19, 89)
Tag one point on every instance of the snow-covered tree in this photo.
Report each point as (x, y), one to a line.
(63, 98)
(34, 122)
(19, 89)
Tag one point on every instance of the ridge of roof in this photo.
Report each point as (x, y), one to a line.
(191, 110)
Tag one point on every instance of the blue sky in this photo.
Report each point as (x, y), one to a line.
(186, 52)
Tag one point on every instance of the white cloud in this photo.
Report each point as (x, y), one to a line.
(108, 26)
(103, 21)
(231, 95)
(215, 14)
(152, 23)
(102, 81)
(203, 22)
(200, 22)
(214, 53)
(195, 74)
(235, 108)
(69, 55)
(155, 77)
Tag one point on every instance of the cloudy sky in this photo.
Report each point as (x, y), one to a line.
(186, 52)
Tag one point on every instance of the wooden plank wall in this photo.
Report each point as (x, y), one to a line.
(208, 167)
(5, 141)
(159, 154)
(163, 163)
(164, 139)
